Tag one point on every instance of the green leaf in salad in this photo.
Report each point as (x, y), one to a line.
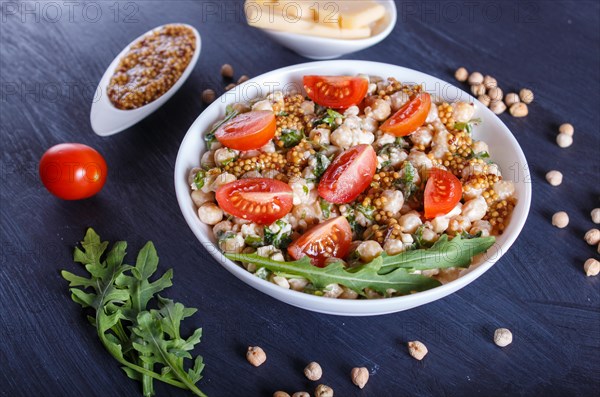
(481, 155)
(406, 183)
(254, 241)
(357, 279)
(325, 207)
(384, 272)
(321, 164)
(466, 126)
(199, 179)
(291, 137)
(367, 211)
(328, 117)
(118, 295)
(278, 234)
(230, 112)
(357, 229)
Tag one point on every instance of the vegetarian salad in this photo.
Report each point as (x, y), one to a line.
(360, 187)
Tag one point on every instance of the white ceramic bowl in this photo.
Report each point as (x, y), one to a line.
(107, 120)
(314, 47)
(505, 151)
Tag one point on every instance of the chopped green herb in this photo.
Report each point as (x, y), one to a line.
(254, 241)
(367, 211)
(406, 183)
(329, 118)
(199, 179)
(278, 234)
(467, 126)
(325, 208)
(283, 113)
(230, 113)
(290, 137)
(322, 162)
(305, 189)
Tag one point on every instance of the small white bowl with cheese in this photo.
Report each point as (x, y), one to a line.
(323, 29)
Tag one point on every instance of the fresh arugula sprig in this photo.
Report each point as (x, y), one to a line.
(147, 343)
(384, 272)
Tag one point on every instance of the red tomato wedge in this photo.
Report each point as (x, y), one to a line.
(248, 131)
(409, 117)
(259, 200)
(326, 240)
(442, 192)
(349, 175)
(338, 92)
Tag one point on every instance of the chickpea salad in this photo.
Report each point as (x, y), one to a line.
(358, 187)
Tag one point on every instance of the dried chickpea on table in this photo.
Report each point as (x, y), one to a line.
(291, 175)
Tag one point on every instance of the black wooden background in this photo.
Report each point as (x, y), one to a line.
(52, 55)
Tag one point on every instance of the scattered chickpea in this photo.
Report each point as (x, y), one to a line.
(511, 98)
(461, 74)
(503, 337)
(498, 107)
(417, 349)
(592, 236)
(280, 394)
(591, 267)
(208, 96)
(478, 89)
(566, 128)
(323, 391)
(554, 177)
(243, 79)
(301, 394)
(519, 109)
(560, 220)
(227, 71)
(595, 215)
(526, 95)
(495, 93)
(484, 99)
(475, 78)
(230, 86)
(313, 371)
(564, 140)
(256, 356)
(489, 82)
(360, 376)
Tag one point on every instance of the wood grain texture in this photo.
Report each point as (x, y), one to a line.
(48, 73)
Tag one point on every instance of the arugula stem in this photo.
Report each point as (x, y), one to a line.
(147, 386)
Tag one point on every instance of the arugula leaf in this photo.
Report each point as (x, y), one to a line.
(118, 294)
(385, 271)
(357, 279)
(291, 137)
(230, 113)
(444, 253)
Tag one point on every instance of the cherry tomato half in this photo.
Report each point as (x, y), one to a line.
(72, 171)
(409, 117)
(349, 175)
(442, 192)
(248, 131)
(338, 92)
(260, 200)
(326, 240)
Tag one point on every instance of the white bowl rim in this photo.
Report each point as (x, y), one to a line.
(106, 119)
(362, 307)
(393, 19)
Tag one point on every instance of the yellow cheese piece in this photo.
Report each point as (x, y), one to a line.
(350, 14)
(261, 18)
